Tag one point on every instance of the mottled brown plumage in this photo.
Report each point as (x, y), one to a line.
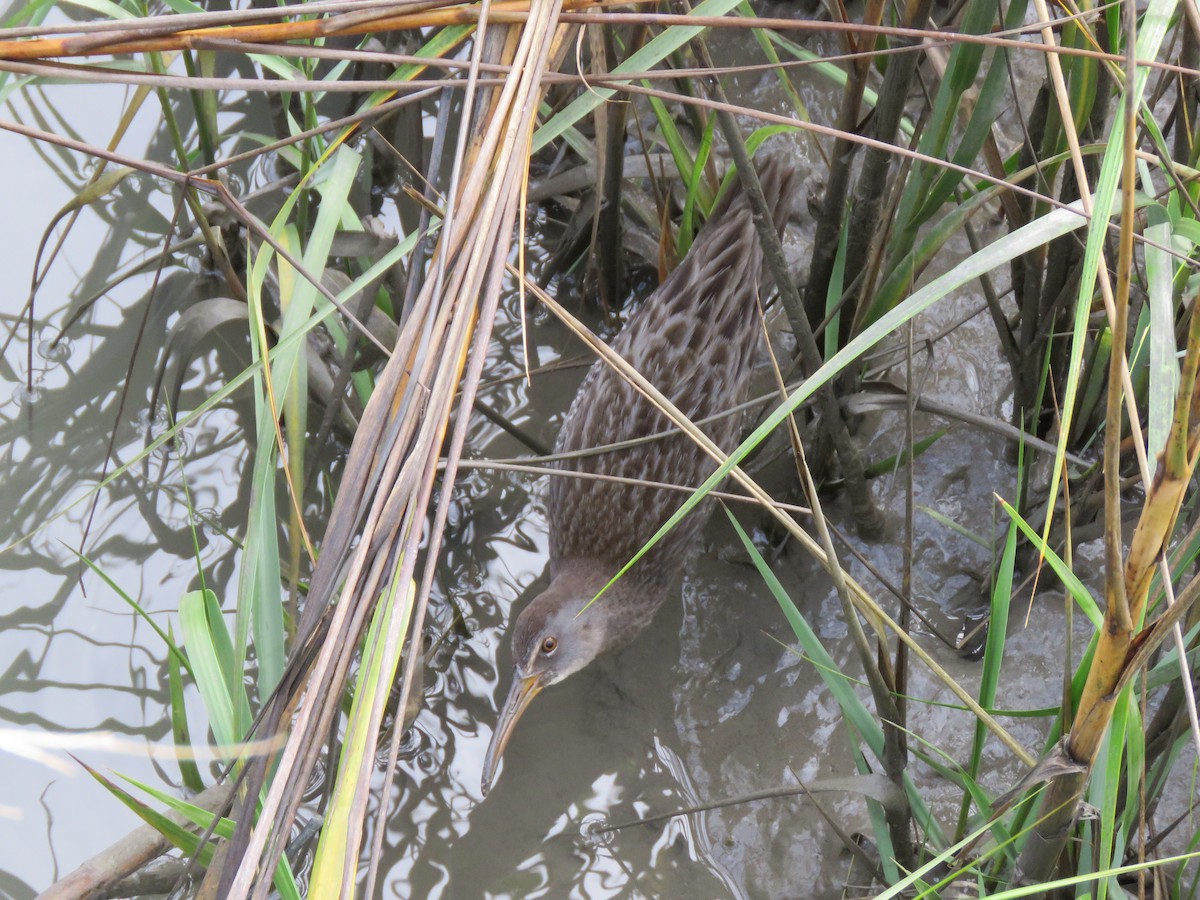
(694, 338)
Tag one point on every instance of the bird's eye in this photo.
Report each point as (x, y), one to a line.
(549, 645)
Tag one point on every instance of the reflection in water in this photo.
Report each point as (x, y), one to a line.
(694, 829)
(75, 656)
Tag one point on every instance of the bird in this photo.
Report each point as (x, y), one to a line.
(694, 338)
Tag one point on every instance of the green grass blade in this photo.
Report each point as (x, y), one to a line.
(173, 832)
(855, 712)
(857, 716)
(1079, 593)
(260, 603)
(333, 871)
(993, 654)
(285, 880)
(180, 731)
(168, 640)
(205, 648)
(1149, 38)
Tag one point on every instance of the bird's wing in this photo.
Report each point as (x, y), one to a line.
(694, 339)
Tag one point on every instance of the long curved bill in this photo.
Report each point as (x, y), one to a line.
(519, 697)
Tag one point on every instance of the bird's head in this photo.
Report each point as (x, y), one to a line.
(552, 639)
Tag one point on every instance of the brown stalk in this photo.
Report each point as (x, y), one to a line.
(837, 182)
(856, 58)
(867, 227)
(607, 256)
(164, 35)
(1119, 638)
(206, 186)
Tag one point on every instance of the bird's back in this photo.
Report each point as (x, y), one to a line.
(694, 338)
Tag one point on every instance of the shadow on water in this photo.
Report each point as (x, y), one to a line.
(75, 658)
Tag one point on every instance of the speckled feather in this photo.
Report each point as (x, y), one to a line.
(694, 338)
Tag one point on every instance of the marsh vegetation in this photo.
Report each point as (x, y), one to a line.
(298, 296)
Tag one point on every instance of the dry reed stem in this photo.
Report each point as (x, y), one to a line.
(395, 455)
(179, 32)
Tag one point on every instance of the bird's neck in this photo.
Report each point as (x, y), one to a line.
(628, 605)
(644, 579)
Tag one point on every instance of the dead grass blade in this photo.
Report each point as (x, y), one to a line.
(393, 464)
